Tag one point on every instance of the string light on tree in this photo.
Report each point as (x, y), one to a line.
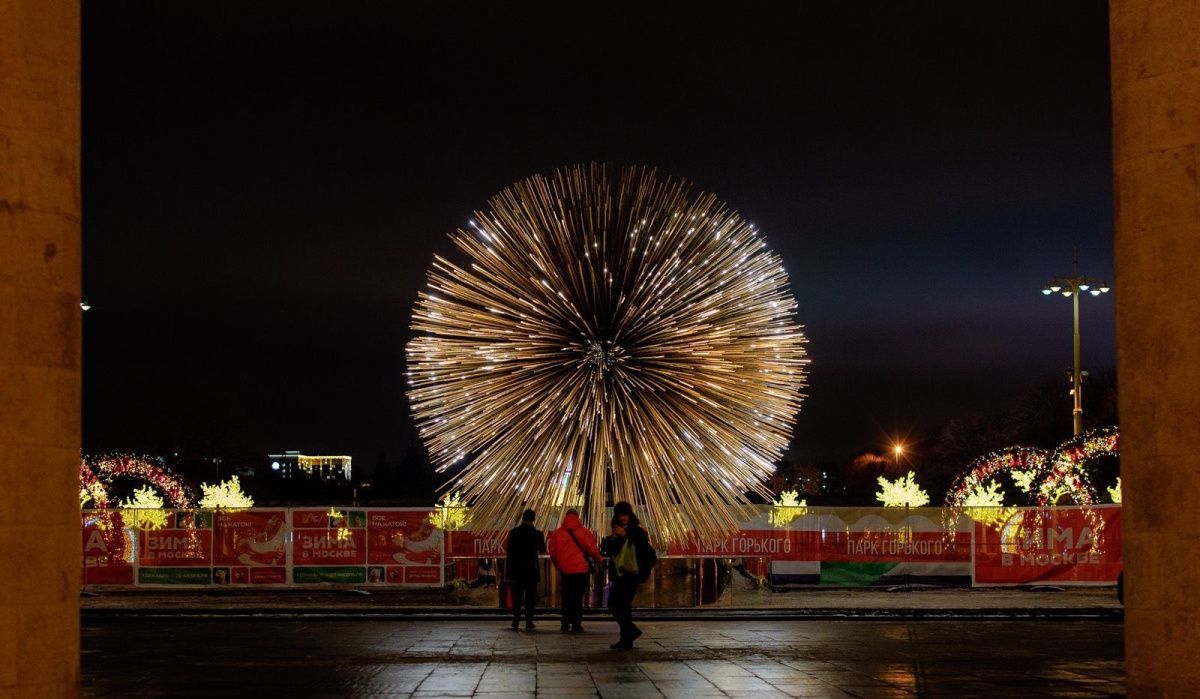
(902, 492)
(620, 331)
(226, 494)
(788, 507)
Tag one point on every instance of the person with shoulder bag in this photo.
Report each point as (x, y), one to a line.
(631, 559)
(573, 551)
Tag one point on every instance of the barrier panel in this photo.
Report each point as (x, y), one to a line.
(1063, 546)
(263, 547)
(779, 547)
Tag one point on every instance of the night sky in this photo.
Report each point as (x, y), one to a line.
(265, 186)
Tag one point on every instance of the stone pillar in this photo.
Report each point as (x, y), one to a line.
(39, 347)
(1156, 156)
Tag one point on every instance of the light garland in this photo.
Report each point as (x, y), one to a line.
(1067, 472)
(147, 470)
(1044, 476)
(608, 332)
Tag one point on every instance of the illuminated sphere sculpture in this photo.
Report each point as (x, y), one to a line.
(608, 337)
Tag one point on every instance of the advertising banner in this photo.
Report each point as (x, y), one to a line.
(250, 547)
(776, 544)
(1060, 545)
(399, 546)
(107, 550)
(177, 553)
(473, 544)
(329, 545)
(403, 548)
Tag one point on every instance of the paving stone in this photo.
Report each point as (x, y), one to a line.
(762, 659)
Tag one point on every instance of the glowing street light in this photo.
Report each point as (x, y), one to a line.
(1071, 287)
(897, 450)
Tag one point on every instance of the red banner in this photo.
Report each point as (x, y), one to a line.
(472, 544)
(252, 543)
(403, 548)
(107, 551)
(403, 538)
(777, 544)
(1058, 545)
(896, 546)
(171, 548)
(329, 547)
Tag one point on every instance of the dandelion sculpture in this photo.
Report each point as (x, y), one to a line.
(608, 337)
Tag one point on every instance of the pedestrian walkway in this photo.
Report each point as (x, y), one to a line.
(674, 659)
(382, 600)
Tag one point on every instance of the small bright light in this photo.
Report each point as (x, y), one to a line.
(1104, 289)
(1047, 292)
(1083, 287)
(84, 305)
(898, 449)
(1056, 289)
(1095, 292)
(275, 466)
(1066, 293)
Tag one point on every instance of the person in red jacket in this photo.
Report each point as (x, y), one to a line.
(571, 547)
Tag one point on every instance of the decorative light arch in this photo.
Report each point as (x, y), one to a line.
(1044, 475)
(1066, 469)
(1018, 460)
(94, 473)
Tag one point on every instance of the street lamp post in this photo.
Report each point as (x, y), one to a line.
(1072, 287)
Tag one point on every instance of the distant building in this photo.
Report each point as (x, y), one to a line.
(293, 464)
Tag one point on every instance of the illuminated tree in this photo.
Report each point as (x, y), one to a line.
(786, 508)
(902, 492)
(608, 331)
(451, 514)
(225, 495)
(145, 508)
(1114, 492)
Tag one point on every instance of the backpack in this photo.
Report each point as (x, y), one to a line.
(647, 558)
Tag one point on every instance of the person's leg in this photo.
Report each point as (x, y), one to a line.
(516, 590)
(620, 603)
(573, 586)
(530, 600)
(634, 631)
(564, 600)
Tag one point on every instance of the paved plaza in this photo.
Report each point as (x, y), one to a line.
(762, 659)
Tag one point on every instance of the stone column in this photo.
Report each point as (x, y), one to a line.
(39, 347)
(1156, 155)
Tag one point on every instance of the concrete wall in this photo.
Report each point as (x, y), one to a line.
(39, 347)
(1156, 154)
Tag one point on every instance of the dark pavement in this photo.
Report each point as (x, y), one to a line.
(694, 659)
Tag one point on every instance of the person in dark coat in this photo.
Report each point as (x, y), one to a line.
(630, 558)
(525, 542)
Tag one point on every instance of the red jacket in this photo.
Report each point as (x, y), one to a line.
(564, 553)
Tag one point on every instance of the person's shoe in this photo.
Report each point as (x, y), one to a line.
(637, 633)
(622, 645)
(529, 626)
(564, 628)
(515, 626)
(577, 628)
